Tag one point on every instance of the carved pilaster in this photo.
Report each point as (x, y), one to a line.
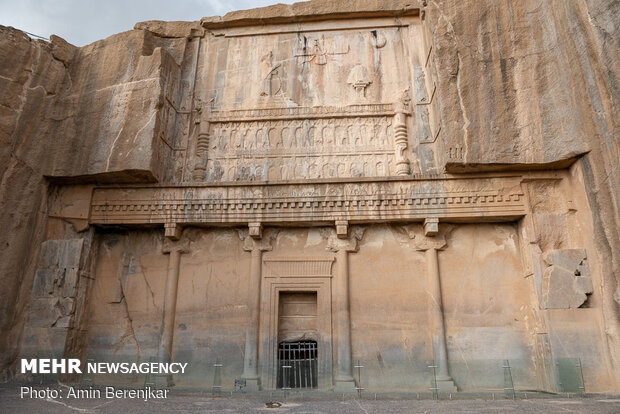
(344, 381)
(533, 265)
(256, 246)
(431, 243)
(174, 250)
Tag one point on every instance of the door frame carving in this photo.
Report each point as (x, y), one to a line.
(305, 274)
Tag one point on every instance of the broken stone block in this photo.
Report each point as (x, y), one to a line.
(44, 282)
(583, 284)
(49, 254)
(70, 281)
(566, 282)
(70, 253)
(65, 306)
(567, 258)
(43, 312)
(64, 322)
(62, 50)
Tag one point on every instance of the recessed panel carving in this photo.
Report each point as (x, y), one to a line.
(355, 141)
(309, 104)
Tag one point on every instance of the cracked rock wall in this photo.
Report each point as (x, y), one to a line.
(128, 296)
(532, 84)
(77, 115)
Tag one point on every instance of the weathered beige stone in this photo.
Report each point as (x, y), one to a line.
(567, 279)
(171, 29)
(396, 182)
(62, 50)
(310, 10)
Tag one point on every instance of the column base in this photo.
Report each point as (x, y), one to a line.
(446, 385)
(345, 386)
(251, 384)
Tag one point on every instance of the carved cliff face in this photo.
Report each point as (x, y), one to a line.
(318, 102)
(268, 123)
(307, 68)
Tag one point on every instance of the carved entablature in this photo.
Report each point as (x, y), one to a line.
(293, 267)
(318, 203)
(305, 143)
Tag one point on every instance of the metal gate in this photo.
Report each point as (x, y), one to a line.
(297, 365)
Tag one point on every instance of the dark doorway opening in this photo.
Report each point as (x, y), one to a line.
(297, 365)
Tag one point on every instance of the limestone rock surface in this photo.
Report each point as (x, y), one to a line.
(310, 10)
(70, 114)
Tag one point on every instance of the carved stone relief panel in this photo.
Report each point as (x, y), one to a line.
(290, 147)
(320, 103)
(302, 143)
(306, 69)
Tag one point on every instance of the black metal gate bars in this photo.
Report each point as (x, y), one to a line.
(297, 365)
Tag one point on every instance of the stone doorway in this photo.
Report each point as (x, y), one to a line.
(297, 340)
(296, 317)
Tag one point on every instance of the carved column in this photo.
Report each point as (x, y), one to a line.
(256, 245)
(202, 145)
(344, 381)
(401, 142)
(174, 249)
(431, 242)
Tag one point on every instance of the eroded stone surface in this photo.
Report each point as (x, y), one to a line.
(567, 279)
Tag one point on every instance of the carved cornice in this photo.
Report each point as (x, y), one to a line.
(359, 202)
(300, 13)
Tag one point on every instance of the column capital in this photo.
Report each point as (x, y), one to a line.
(181, 246)
(423, 243)
(263, 245)
(421, 240)
(349, 244)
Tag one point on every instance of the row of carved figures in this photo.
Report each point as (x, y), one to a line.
(234, 170)
(302, 134)
(353, 136)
